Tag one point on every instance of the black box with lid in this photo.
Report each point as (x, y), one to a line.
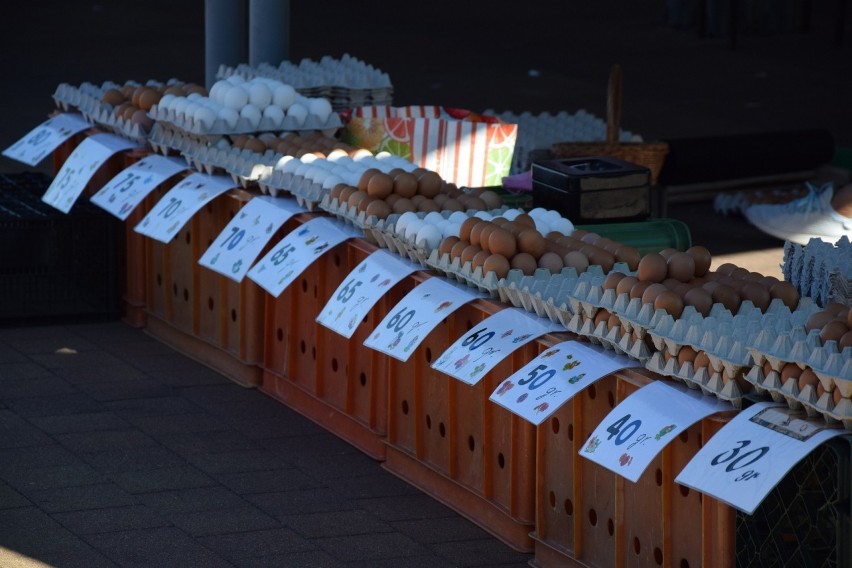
(595, 189)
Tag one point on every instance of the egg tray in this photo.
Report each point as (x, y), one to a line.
(473, 277)
(244, 166)
(308, 194)
(87, 100)
(705, 378)
(351, 216)
(539, 292)
(820, 270)
(615, 338)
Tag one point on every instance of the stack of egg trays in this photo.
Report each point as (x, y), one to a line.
(785, 340)
(351, 216)
(542, 293)
(87, 100)
(820, 270)
(473, 277)
(308, 193)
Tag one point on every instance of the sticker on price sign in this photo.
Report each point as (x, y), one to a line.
(489, 342)
(180, 203)
(237, 247)
(45, 138)
(416, 315)
(550, 380)
(79, 168)
(636, 430)
(361, 289)
(747, 458)
(294, 253)
(124, 192)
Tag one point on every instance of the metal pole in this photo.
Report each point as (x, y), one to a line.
(224, 36)
(269, 31)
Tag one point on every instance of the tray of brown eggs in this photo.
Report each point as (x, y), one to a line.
(122, 109)
(807, 362)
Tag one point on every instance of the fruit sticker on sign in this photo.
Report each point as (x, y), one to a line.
(238, 245)
(550, 380)
(79, 168)
(416, 315)
(123, 193)
(45, 138)
(489, 342)
(638, 429)
(361, 289)
(747, 458)
(295, 252)
(180, 203)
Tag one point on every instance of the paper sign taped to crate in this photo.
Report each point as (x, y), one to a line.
(540, 387)
(751, 454)
(416, 315)
(239, 244)
(465, 148)
(362, 289)
(489, 342)
(123, 193)
(295, 252)
(638, 429)
(79, 168)
(45, 138)
(180, 203)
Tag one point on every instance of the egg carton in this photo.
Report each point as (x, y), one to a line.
(474, 278)
(540, 292)
(820, 270)
(357, 219)
(614, 338)
(708, 380)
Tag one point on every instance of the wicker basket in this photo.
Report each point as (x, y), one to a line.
(651, 155)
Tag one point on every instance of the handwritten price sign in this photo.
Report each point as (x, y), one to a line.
(45, 138)
(123, 193)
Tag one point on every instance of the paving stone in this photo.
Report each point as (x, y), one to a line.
(90, 359)
(236, 462)
(308, 444)
(82, 422)
(139, 350)
(11, 499)
(134, 459)
(80, 498)
(113, 373)
(188, 443)
(333, 466)
(105, 440)
(15, 459)
(52, 477)
(267, 481)
(33, 345)
(124, 390)
(83, 556)
(10, 355)
(15, 369)
(311, 559)
(336, 523)
(162, 406)
(15, 432)
(25, 519)
(192, 500)
(109, 333)
(44, 543)
(111, 519)
(258, 545)
(35, 387)
(430, 561)
(182, 373)
(447, 529)
(164, 426)
(71, 403)
(369, 547)
(162, 360)
(162, 479)
(300, 502)
(167, 546)
(484, 552)
(405, 507)
(380, 484)
(222, 521)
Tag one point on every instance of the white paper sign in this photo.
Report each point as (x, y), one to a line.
(488, 343)
(79, 168)
(416, 315)
(237, 247)
(753, 452)
(294, 253)
(361, 289)
(123, 193)
(636, 430)
(180, 203)
(45, 138)
(550, 380)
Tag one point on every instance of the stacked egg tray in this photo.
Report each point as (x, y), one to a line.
(786, 342)
(347, 82)
(820, 270)
(464, 272)
(542, 292)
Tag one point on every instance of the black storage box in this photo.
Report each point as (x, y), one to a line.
(596, 189)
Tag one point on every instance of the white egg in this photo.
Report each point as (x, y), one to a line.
(320, 108)
(229, 116)
(298, 113)
(204, 118)
(563, 225)
(434, 218)
(451, 229)
(235, 98)
(552, 215)
(537, 212)
(541, 225)
(274, 114)
(331, 181)
(165, 102)
(512, 214)
(291, 165)
(260, 95)
(194, 96)
(429, 236)
(283, 96)
(413, 227)
(302, 169)
(236, 79)
(252, 114)
(458, 217)
(403, 221)
(484, 215)
(282, 162)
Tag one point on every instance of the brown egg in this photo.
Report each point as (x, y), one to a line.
(112, 97)
(807, 377)
(447, 245)
(844, 341)
(686, 354)
(727, 296)
(710, 286)
(526, 220)
(429, 184)
(336, 190)
(530, 241)
(403, 205)
(457, 249)
(602, 258)
(524, 262)
(613, 321)
(651, 292)
(364, 203)
(485, 235)
(768, 281)
(498, 264)
(726, 269)
(700, 299)
(428, 206)
(551, 261)
(833, 331)
(849, 319)
(790, 371)
(602, 316)
(141, 118)
(148, 99)
(576, 260)
(491, 199)
(757, 294)
(356, 198)
(475, 204)
(502, 242)
(702, 360)
(738, 378)
(468, 253)
(681, 266)
(667, 252)
(439, 200)
(379, 186)
(767, 368)
(579, 233)
(652, 268)
(590, 238)
(638, 289)
(452, 204)
(835, 308)
(624, 285)
(701, 256)
(379, 208)
(786, 292)
(466, 226)
(740, 273)
(669, 301)
(612, 279)
(345, 193)
(476, 232)
(365, 178)
(405, 185)
(479, 259)
(129, 112)
(628, 255)
(818, 320)
(671, 283)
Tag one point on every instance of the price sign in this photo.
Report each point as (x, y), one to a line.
(747, 458)
(79, 168)
(124, 192)
(416, 315)
(237, 247)
(294, 253)
(636, 430)
(180, 203)
(361, 289)
(45, 138)
(488, 343)
(550, 380)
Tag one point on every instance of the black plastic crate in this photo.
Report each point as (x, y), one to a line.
(54, 265)
(805, 520)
